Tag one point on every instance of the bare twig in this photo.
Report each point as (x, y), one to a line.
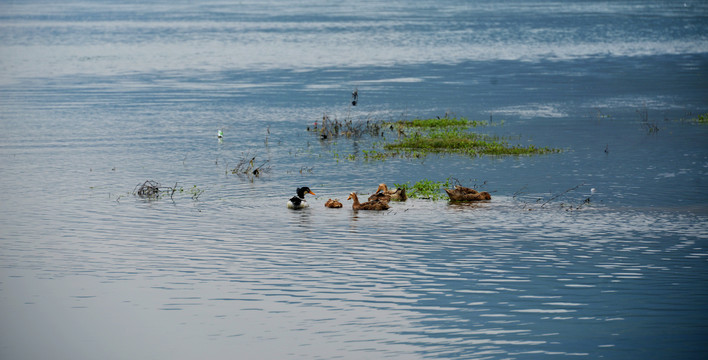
(561, 194)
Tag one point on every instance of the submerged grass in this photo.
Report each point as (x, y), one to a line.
(425, 189)
(438, 122)
(333, 128)
(152, 190)
(701, 119)
(418, 137)
(458, 141)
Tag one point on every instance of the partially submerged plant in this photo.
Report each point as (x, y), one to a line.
(247, 166)
(700, 119)
(566, 200)
(651, 127)
(331, 129)
(459, 141)
(425, 189)
(151, 189)
(419, 137)
(148, 189)
(438, 122)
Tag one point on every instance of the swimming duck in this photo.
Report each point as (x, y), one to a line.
(333, 204)
(461, 193)
(383, 193)
(298, 202)
(369, 205)
(379, 196)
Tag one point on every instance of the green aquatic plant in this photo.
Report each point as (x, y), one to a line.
(194, 191)
(700, 119)
(152, 190)
(438, 122)
(459, 141)
(425, 189)
(418, 137)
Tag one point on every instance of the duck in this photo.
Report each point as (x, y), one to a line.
(383, 193)
(379, 196)
(461, 193)
(335, 204)
(298, 202)
(369, 205)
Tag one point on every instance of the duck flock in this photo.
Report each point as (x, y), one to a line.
(380, 199)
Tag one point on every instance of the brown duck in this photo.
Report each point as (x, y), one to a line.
(383, 193)
(333, 204)
(369, 205)
(461, 193)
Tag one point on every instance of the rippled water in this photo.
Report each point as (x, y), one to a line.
(99, 97)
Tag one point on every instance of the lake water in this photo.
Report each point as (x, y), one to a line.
(96, 98)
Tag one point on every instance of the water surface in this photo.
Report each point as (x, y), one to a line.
(97, 98)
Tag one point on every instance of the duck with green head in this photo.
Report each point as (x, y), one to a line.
(298, 201)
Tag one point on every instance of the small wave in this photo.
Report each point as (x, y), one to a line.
(532, 111)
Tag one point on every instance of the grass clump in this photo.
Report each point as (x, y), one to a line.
(425, 189)
(438, 122)
(701, 119)
(419, 137)
(458, 141)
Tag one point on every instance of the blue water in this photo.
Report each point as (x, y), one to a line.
(98, 97)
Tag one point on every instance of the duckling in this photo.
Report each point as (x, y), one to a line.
(298, 202)
(369, 205)
(335, 204)
(461, 193)
(382, 192)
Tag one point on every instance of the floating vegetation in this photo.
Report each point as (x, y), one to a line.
(151, 189)
(438, 122)
(700, 119)
(458, 141)
(377, 155)
(148, 189)
(429, 189)
(425, 189)
(601, 115)
(419, 137)
(194, 191)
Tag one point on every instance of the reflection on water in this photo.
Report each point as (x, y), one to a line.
(595, 252)
(486, 280)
